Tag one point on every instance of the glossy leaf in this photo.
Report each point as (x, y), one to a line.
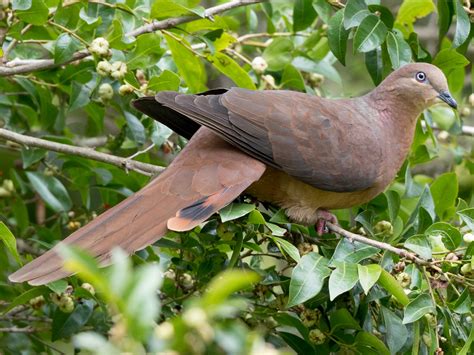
(354, 12)
(235, 210)
(303, 14)
(417, 308)
(34, 12)
(337, 36)
(420, 245)
(342, 279)
(51, 190)
(307, 278)
(450, 235)
(463, 25)
(396, 332)
(444, 191)
(398, 49)
(167, 80)
(65, 47)
(411, 10)
(352, 252)
(368, 275)
(288, 248)
(231, 69)
(10, 241)
(189, 65)
(370, 34)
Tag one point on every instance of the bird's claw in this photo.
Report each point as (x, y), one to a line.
(324, 216)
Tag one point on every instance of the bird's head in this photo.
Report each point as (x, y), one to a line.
(421, 84)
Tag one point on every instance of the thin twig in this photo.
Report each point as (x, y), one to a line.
(208, 13)
(22, 330)
(28, 141)
(42, 64)
(381, 245)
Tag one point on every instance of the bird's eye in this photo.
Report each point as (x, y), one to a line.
(420, 76)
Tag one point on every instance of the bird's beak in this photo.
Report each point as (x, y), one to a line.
(446, 97)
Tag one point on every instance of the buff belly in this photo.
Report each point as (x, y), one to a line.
(301, 200)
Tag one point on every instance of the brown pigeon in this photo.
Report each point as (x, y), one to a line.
(304, 153)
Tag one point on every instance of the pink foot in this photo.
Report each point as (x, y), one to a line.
(323, 217)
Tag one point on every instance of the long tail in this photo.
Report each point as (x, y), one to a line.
(206, 176)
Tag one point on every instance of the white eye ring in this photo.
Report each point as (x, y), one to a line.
(420, 76)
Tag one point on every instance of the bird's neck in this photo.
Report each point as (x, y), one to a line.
(399, 114)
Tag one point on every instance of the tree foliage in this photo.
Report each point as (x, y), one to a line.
(249, 280)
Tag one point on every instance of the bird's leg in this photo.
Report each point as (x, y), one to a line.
(323, 217)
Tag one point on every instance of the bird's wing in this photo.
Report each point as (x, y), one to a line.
(206, 176)
(325, 143)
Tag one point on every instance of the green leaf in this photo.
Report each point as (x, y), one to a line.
(445, 16)
(29, 156)
(307, 278)
(399, 50)
(450, 235)
(417, 308)
(80, 95)
(289, 248)
(230, 68)
(225, 284)
(368, 275)
(167, 80)
(255, 217)
(167, 8)
(189, 66)
(420, 245)
(303, 14)
(342, 279)
(292, 78)
(64, 48)
(34, 12)
(352, 252)
(396, 333)
(25, 297)
(367, 343)
(160, 133)
(147, 51)
(10, 242)
(467, 215)
(337, 36)
(301, 346)
(58, 286)
(64, 325)
(276, 230)
(354, 13)
(392, 286)
(463, 303)
(137, 130)
(448, 60)
(278, 53)
(342, 319)
(51, 190)
(463, 25)
(235, 210)
(370, 34)
(445, 192)
(411, 10)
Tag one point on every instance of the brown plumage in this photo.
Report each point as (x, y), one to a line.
(303, 153)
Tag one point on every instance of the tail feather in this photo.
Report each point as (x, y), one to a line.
(189, 184)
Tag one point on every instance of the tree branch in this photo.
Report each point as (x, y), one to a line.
(89, 153)
(208, 13)
(381, 245)
(41, 64)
